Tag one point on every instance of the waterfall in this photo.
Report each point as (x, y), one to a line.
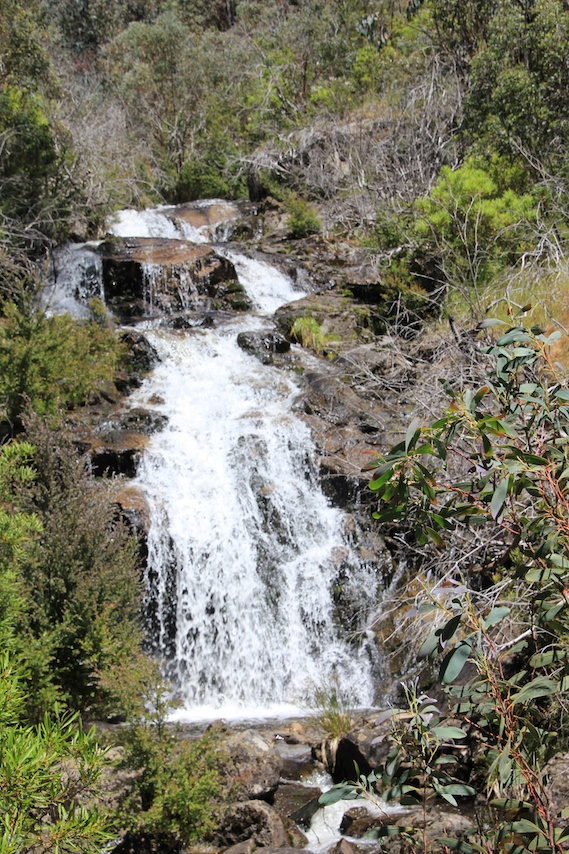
(244, 548)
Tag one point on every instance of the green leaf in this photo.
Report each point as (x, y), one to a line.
(460, 846)
(337, 793)
(412, 434)
(488, 322)
(435, 537)
(562, 393)
(510, 804)
(541, 575)
(545, 659)
(448, 630)
(444, 733)
(460, 789)
(515, 334)
(454, 662)
(430, 644)
(495, 616)
(539, 687)
(499, 497)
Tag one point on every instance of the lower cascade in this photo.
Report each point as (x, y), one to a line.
(243, 545)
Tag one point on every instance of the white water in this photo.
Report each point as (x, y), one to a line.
(75, 277)
(244, 549)
(243, 546)
(164, 222)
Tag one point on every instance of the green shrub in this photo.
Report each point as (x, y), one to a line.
(39, 797)
(81, 579)
(303, 219)
(51, 362)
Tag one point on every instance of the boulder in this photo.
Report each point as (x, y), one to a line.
(264, 344)
(252, 766)
(252, 820)
(133, 508)
(358, 821)
(143, 356)
(356, 748)
(117, 453)
(297, 802)
(139, 419)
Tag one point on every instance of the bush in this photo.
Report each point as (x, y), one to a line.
(82, 581)
(51, 362)
(44, 772)
(303, 219)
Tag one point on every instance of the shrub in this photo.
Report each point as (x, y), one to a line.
(44, 772)
(302, 219)
(51, 362)
(82, 581)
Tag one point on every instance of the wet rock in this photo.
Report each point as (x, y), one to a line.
(141, 420)
(156, 276)
(133, 508)
(344, 847)
(143, 356)
(358, 821)
(354, 753)
(253, 766)
(252, 820)
(263, 345)
(117, 453)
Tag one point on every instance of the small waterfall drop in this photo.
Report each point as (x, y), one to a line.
(75, 277)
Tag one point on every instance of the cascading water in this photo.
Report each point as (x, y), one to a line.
(243, 546)
(75, 277)
(244, 549)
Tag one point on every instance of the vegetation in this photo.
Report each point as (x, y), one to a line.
(487, 481)
(429, 136)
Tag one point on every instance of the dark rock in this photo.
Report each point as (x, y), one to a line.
(356, 822)
(141, 420)
(253, 766)
(263, 345)
(252, 820)
(155, 276)
(297, 802)
(241, 848)
(143, 356)
(117, 453)
(344, 847)
(133, 508)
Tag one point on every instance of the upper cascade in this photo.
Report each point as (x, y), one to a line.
(204, 221)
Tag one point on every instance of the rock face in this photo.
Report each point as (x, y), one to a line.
(149, 276)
